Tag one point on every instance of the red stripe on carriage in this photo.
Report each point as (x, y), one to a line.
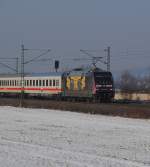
(33, 89)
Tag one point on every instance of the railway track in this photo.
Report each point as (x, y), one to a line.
(124, 109)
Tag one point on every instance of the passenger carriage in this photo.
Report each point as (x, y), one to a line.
(49, 84)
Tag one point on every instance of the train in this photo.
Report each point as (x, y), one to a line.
(76, 84)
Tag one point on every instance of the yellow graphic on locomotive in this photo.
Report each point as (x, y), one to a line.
(75, 82)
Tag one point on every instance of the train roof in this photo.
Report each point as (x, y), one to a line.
(32, 75)
(84, 71)
(46, 74)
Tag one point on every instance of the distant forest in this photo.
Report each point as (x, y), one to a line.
(131, 83)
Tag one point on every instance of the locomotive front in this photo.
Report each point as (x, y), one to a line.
(103, 86)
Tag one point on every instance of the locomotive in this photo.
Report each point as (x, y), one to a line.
(88, 83)
(79, 83)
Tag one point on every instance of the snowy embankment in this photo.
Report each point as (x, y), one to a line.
(44, 138)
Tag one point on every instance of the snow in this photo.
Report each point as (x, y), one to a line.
(49, 138)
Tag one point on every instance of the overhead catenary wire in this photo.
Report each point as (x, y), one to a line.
(10, 59)
(35, 58)
(9, 67)
(132, 52)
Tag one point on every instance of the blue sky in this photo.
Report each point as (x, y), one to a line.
(66, 26)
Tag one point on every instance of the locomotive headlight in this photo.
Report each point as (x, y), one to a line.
(109, 86)
(97, 86)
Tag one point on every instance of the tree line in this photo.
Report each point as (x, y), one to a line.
(130, 83)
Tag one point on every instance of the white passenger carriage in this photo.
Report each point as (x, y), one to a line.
(49, 84)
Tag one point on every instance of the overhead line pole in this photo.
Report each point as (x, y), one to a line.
(22, 75)
(17, 66)
(22, 68)
(108, 57)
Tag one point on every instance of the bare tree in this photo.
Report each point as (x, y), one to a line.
(131, 83)
(128, 82)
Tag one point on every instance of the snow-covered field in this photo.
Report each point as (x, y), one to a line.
(47, 138)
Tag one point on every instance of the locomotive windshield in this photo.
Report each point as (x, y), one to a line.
(104, 78)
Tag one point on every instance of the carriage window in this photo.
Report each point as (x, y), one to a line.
(36, 82)
(33, 82)
(57, 82)
(30, 82)
(43, 82)
(53, 82)
(27, 82)
(40, 82)
(46, 82)
(50, 82)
